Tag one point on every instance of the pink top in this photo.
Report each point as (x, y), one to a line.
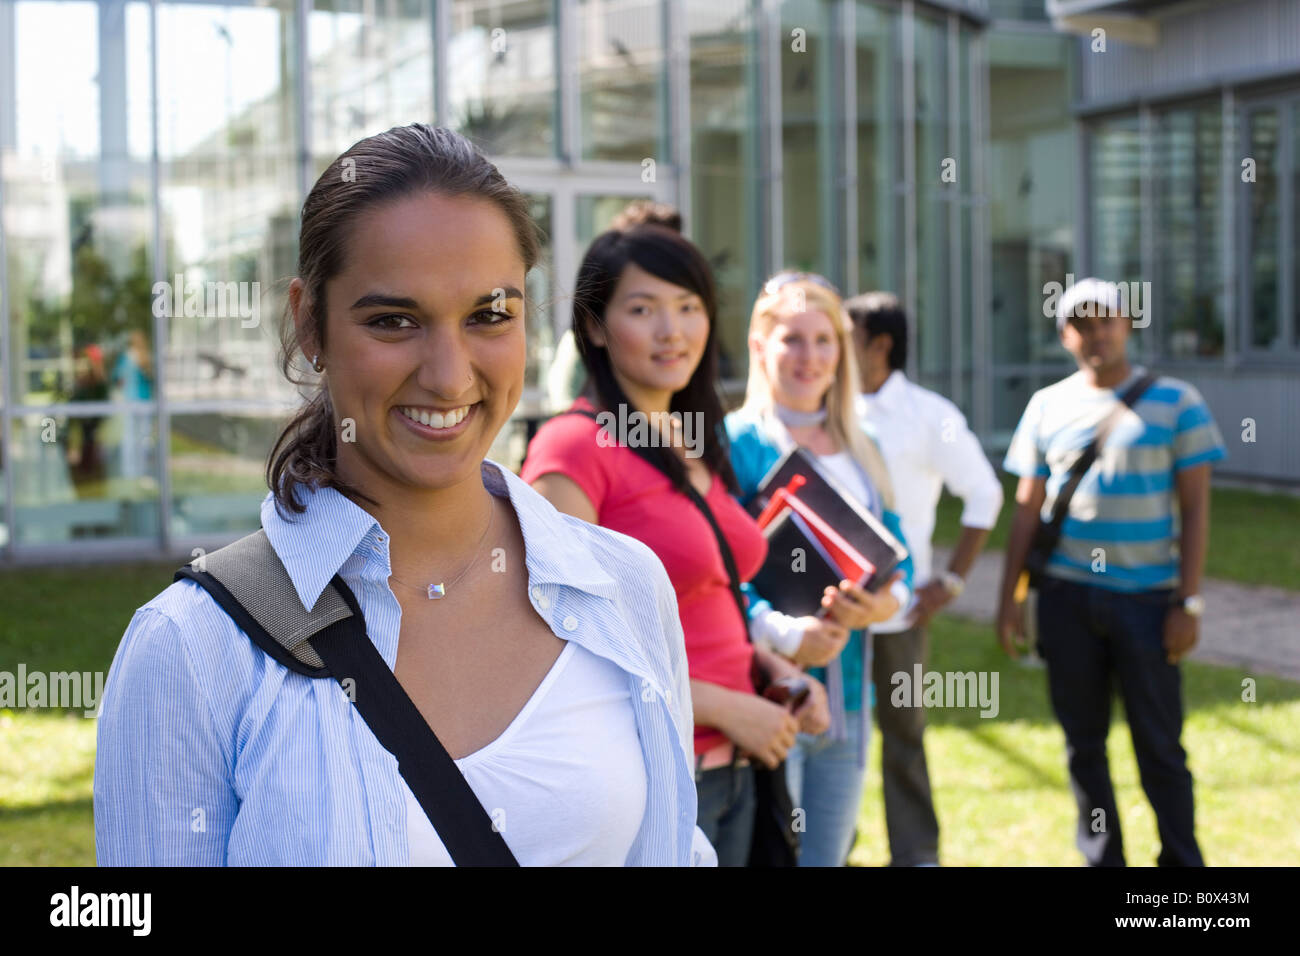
(631, 496)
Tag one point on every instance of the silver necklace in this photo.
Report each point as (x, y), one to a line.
(433, 590)
(796, 419)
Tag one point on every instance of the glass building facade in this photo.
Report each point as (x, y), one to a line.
(935, 149)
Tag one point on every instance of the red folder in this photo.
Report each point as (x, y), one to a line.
(848, 560)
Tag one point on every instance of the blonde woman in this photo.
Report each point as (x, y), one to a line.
(802, 379)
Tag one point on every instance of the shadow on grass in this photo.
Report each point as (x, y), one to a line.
(33, 810)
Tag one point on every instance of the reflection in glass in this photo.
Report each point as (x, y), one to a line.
(218, 470)
(1030, 170)
(724, 165)
(621, 81)
(229, 192)
(86, 476)
(371, 69)
(77, 212)
(501, 75)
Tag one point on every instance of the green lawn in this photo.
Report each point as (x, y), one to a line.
(1000, 784)
(1252, 535)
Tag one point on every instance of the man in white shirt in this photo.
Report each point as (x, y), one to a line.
(926, 444)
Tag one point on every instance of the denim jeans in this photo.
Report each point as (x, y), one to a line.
(826, 782)
(727, 804)
(1091, 639)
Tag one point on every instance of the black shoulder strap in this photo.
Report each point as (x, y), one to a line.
(1049, 532)
(1085, 460)
(331, 641)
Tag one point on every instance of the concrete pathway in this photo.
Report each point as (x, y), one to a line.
(1254, 628)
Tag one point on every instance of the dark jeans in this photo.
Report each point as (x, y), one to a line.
(1091, 639)
(727, 804)
(909, 810)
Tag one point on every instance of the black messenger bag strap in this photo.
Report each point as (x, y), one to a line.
(464, 826)
(1048, 533)
(250, 584)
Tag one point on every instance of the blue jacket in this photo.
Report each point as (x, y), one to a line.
(756, 445)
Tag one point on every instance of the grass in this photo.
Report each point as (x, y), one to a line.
(1252, 534)
(1000, 784)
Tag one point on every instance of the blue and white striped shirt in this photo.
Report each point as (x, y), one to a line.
(211, 753)
(1121, 532)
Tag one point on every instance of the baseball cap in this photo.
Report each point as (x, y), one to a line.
(1104, 294)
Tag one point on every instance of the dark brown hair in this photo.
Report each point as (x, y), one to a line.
(381, 169)
(881, 313)
(668, 255)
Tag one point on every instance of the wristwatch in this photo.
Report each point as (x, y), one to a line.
(1194, 605)
(953, 582)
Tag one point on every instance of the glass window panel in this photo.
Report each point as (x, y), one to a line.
(371, 69)
(1116, 166)
(228, 184)
(501, 75)
(218, 470)
(879, 200)
(933, 333)
(85, 476)
(77, 203)
(1261, 204)
(725, 183)
(1188, 283)
(807, 137)
(1030, 170)
(621, 80)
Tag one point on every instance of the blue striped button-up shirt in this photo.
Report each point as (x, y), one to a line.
(211, 753)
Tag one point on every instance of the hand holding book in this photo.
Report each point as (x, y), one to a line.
(856, 608)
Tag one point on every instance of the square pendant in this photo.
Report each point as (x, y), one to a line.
(437, 591)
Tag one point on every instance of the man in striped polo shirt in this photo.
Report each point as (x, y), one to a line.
(1118, 601)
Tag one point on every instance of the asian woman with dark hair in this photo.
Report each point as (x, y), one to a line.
(648, 464)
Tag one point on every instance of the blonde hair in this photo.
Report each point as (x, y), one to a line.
(841, 419)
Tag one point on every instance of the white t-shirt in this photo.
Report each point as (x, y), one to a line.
(846, 471)
(565, 782)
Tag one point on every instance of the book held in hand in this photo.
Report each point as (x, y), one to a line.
(818, 534)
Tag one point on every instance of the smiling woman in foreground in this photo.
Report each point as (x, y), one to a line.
(544, 652)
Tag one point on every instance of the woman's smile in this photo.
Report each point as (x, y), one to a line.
(434, 425)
